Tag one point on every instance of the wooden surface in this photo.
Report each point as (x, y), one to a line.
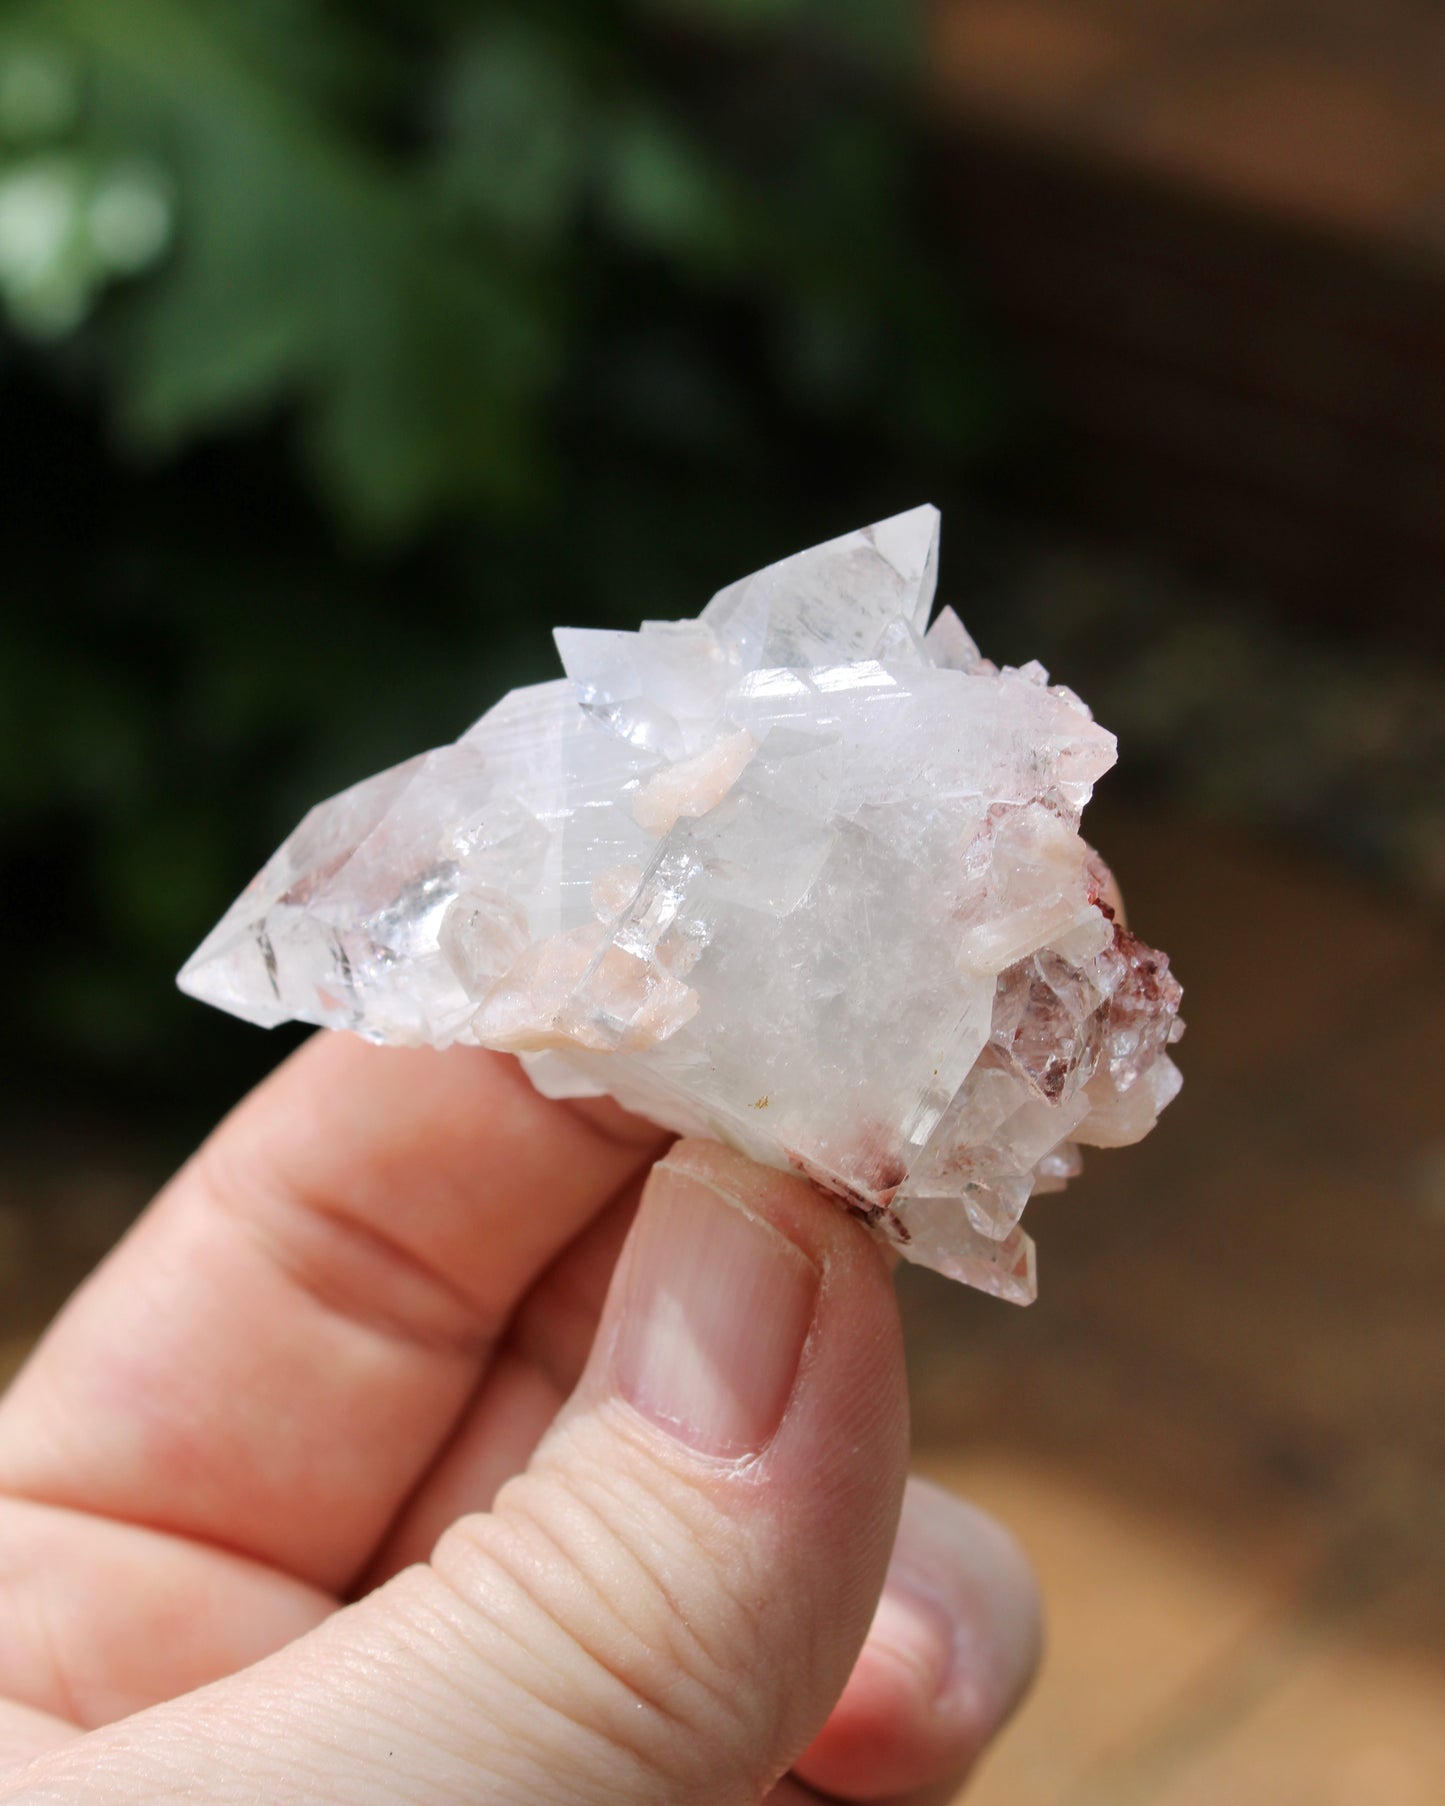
(1220, 1431)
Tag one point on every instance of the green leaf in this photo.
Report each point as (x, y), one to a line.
(514, 128)
(663, 191)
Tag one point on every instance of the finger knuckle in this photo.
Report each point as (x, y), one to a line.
(623, 1600)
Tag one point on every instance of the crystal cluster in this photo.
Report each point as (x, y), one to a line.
(803, 875)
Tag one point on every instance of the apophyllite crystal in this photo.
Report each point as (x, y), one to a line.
(798, 875)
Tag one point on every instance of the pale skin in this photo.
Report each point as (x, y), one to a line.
(338, 1481)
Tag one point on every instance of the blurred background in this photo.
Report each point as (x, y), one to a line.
(345, 350)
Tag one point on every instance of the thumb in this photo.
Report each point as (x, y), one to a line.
(664, 1607)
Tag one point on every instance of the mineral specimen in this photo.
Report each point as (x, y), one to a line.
(798, 875)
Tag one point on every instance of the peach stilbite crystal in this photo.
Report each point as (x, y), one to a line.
(804, 875)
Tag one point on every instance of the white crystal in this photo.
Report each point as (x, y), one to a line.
(804, 875)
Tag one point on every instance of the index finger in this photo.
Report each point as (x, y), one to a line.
(271, 1358)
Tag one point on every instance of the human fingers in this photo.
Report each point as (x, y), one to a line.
(272, 1358)
(102, 1618)
(523, 1389)
(953, 1645)
(954, 1641)
(952, 1648)
(26, 1734)
(664, 1607)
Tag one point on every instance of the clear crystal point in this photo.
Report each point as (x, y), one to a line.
(804, 875)
(836, 602)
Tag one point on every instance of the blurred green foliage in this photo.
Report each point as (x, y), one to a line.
(346, 348)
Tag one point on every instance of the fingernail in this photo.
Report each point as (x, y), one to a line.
(919, 1633)
(716, 1306)
(968, 1579)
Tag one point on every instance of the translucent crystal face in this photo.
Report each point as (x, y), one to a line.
(803, 875)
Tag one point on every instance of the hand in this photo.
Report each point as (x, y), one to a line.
(605, 1538)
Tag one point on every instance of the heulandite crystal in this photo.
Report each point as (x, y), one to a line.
(804, 875)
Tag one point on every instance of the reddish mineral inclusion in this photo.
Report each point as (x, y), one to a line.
(803, 874)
